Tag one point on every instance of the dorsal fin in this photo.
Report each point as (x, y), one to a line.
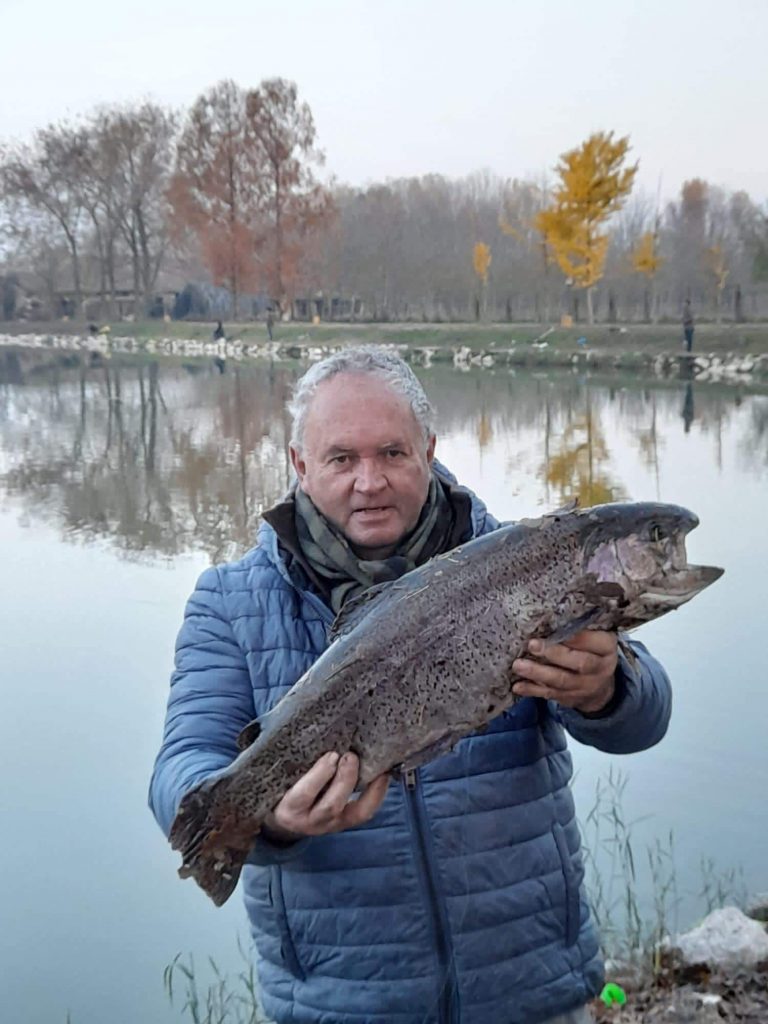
(570, 506)
(356, 609)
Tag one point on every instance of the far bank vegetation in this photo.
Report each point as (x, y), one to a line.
(226, 210)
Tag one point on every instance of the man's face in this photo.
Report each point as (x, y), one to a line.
(365, 463)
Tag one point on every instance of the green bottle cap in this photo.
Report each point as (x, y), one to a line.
(613, 993)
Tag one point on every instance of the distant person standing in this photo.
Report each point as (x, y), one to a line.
(688, 325)
(219, 361)
(270, 323)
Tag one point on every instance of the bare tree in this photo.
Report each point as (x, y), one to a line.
(139, 146)
(99, 181)
(42, 178)
(530, 273)
(42, 251)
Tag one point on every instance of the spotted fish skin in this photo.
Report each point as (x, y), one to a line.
(416, 664)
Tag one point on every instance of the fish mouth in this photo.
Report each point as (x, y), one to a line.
(681, 586)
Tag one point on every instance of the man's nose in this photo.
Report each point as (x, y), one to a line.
(369, 477)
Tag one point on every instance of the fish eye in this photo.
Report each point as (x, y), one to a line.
(657, 534)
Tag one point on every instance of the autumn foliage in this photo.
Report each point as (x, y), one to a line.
(646, 260)
(111, 213)
(481, 260)
(645, 256)
(244, 191)
(293, 205)
(213, 190)
(593, 185)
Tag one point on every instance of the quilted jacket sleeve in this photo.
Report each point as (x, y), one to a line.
(638, 715)
(210, 702)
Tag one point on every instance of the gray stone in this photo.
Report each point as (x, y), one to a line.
(725, 938)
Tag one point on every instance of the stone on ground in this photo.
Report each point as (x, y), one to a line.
(725, 938)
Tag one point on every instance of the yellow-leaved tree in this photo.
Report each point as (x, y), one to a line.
(646, 261)
(593, 186)
(481, 261)
(481, 258)
(718, 268)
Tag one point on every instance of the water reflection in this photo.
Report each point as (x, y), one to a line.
(162, 459)
(158, 461)
(153, 459)
(688, 408)
(578, 469)
(755, 445)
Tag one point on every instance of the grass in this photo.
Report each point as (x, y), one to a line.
(613, 872)
(631, 927)
(221, 1001)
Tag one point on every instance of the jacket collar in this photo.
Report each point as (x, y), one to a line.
(296, 576)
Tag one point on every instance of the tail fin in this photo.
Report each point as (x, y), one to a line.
(213, 848)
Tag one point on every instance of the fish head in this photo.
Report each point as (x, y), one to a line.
(641, 547)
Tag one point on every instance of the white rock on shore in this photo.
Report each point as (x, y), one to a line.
(725, 938)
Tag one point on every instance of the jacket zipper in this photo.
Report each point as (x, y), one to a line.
(438, 920)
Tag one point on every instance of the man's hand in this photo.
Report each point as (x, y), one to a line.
(320, 801)
(577, 674)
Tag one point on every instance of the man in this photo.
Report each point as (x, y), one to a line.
(451, 895)
(688, 325)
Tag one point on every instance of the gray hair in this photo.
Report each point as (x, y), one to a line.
(372, 359)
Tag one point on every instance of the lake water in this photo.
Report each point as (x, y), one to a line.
(119, 484)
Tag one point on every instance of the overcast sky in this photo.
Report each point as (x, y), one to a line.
(407, 87)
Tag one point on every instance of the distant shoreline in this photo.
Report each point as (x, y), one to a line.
(731, 354)
(751, 338)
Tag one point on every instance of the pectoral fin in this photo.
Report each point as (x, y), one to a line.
(249, 734)
(569, 629)
(356, 609)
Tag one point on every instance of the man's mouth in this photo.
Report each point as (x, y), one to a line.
(372, 510)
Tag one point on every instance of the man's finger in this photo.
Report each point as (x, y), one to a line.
(333, 801)
(533, 690)
(549, 676)
(566, 698)
(301, 796)
(597, 641)
(357, 812)
(581, 661)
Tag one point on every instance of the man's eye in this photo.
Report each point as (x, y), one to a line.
(340, 459)
(394, 452)
(657, 534)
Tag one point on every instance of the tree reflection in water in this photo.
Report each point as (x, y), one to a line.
(160, 459)
(578, 467)
(156, 460)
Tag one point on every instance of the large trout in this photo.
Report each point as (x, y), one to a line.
(418, 663)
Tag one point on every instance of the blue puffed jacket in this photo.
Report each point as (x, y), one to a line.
(461, 901)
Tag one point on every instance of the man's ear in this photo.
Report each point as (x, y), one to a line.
(431, 449)
(298, 463)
